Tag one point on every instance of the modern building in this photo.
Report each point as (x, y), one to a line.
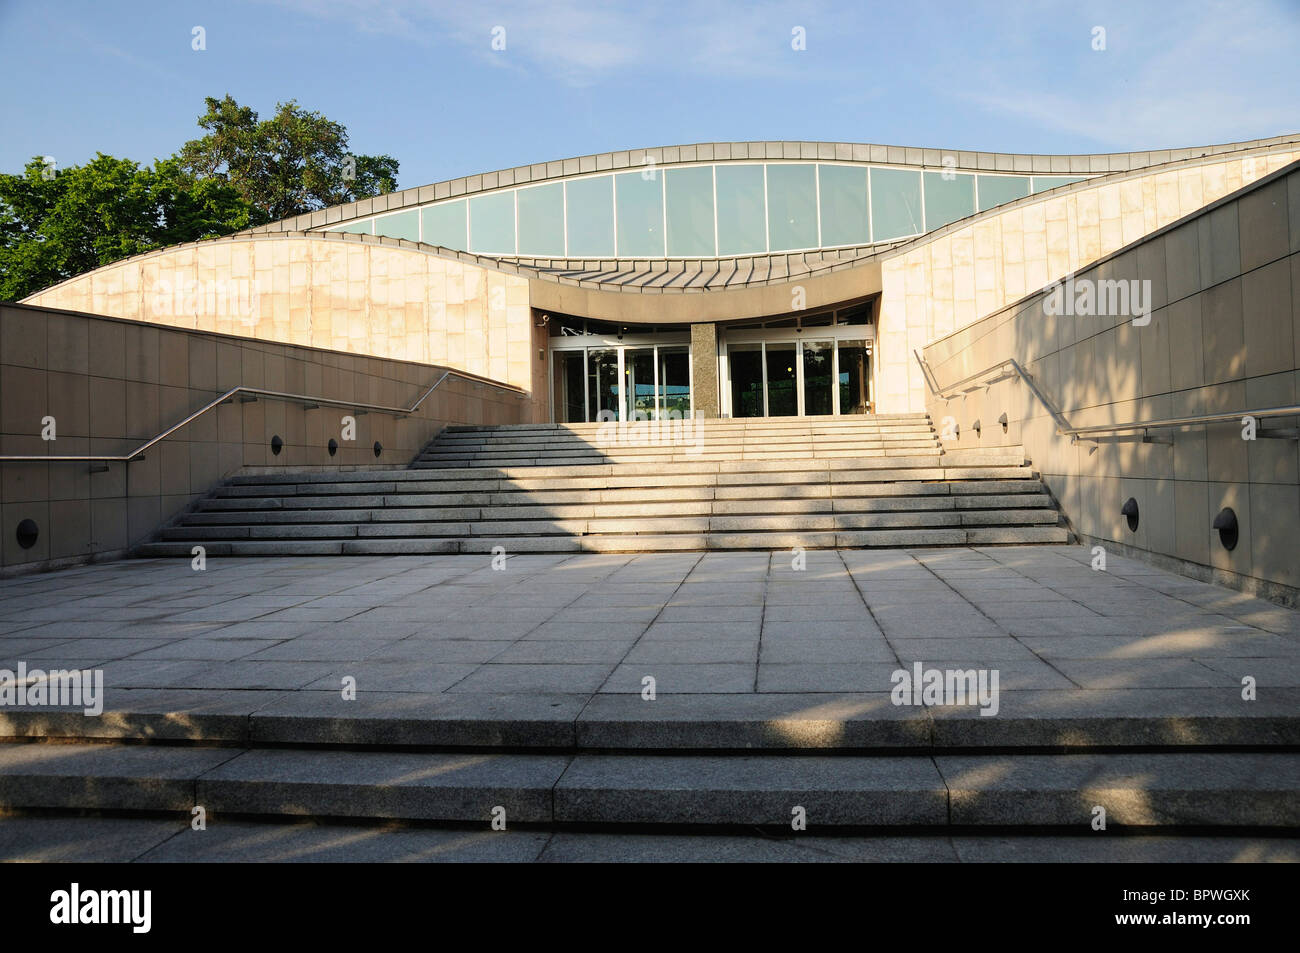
(735, 280)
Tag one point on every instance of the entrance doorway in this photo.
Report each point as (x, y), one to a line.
(775, 374)
(597, 377)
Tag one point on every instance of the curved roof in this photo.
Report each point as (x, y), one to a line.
(656, 275)
(938, 161)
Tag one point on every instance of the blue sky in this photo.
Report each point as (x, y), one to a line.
(419, 80)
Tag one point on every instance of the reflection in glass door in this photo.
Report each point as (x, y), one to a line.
(818, 357)
(675, 382)
(639, 376)
(810, 378)
(568, 387)
(603, 392)
(782, 379)
(854, 377)
(634, 382)
(746, 362)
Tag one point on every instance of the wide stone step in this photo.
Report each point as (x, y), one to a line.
(511, 521)
(1148, 790)
(745, 485)
(1028, 721)
(422, 543)
(527, 506)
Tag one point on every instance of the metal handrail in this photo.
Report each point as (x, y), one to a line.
(1063, 427)
(311, 402)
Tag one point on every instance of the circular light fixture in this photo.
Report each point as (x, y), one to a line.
(333, 446)
(1226, 524)
(276, 445)
(27, 533)
(1130, 509)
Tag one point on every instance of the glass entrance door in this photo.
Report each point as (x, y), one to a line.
(817, 377)
(634, 382)
(604, 394)
(817, 366)
(747, 392)
(782, 380)
(854, 372)
(639, 377)
(675, 383)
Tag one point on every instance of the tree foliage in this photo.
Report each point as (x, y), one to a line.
(243, 172)
(58, 223)
(296, 161)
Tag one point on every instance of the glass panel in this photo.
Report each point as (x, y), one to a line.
(570, 406)
(1044, 182)
(690, 212)
(895, 203)
(948, 200)
(541, 220)
(817, 356)
(782, 396)
(855, 378)
(603, 396)
(445, 225)
(639, 369)
(843, 205)
(792, 206)
(675, 383)
(742, 215)
(591, 217)
(746, 363)
(858, 314)
(999, 189)
(402, 225)
(364, 227)
(492, 223)
(640, 215)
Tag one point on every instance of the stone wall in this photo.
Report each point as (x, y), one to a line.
(967, 271)
(325, 292)
(112, 384)
(1223, 337)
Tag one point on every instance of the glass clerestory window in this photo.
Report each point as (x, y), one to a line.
(541, 220)
(689, 199)
(640, 202)
(589, 205)
(707, 211)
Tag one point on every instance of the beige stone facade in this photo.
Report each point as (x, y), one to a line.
(1223, 337)
(948, 281)
(358, 298)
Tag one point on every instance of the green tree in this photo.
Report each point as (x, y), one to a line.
(295, 162)
(56, 224)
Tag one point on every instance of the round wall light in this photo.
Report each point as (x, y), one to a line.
(27, 533)
(1226, 524)
(1130, 509)
(276, 445)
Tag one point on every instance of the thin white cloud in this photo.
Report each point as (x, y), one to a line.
(583, 43)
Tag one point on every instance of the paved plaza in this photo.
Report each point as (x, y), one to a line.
(699, 624)
(475, 684)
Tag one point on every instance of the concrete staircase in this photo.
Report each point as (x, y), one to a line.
(724, 484)
(1155, 760)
